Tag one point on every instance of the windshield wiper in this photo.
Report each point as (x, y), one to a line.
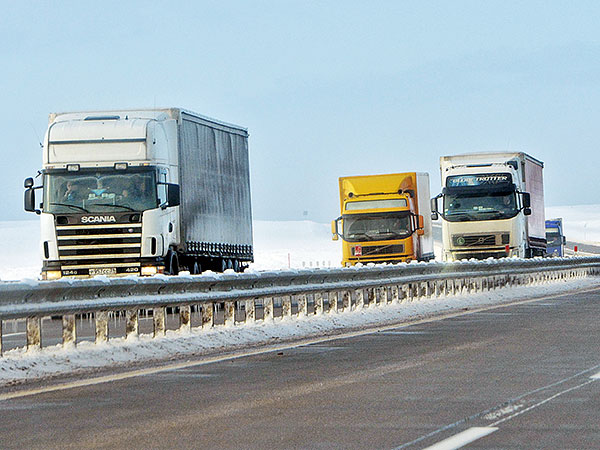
(71, 206)
(460, 216)
(128, 208)
(360, 236)
(395, 233)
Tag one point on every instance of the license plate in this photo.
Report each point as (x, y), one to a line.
(104, 271)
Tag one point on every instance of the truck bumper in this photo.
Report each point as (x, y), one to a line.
(53, 270)
(458, 254)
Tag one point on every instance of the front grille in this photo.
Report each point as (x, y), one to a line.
(379, 250)
(479, 240)
(99, 249)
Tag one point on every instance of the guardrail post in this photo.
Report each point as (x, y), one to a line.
(229, 313)
(159, 320)
(0, 337)
(385, 296)
(268, 309)
(360, 298)
(395, 294)
(101, 326)
(69, 335)
(439, 288)
(346, 300)
(208, 318)
(370, 300)
(302, 300)
(286, 306)
(34, 333)
(185, 323)
(250, 309)
(318, 297)
(131, 322)
(403, 293)
(332, 301)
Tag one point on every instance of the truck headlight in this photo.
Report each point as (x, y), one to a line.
(148, 271)
(51, 275)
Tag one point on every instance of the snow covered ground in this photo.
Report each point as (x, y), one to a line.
(278, 245)
(581, 222)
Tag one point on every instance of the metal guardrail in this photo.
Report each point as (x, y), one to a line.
(272, 294)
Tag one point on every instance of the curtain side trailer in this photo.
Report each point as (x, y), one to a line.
(492, 205)
(142, 192)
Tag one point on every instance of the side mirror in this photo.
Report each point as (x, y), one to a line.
(28, 183)
(334, 229)
(420, 223)
(30, 201)
(526, 201)
(564, 240)
(527, 211)
(434, 208)
(173, 196)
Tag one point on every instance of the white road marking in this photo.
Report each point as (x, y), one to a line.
(461, 439)
(405, 332)
(596, 377)
(513, 402)
(542, 402)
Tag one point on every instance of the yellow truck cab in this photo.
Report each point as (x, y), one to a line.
(384, 218)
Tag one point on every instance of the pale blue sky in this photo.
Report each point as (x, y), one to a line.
(325, 88)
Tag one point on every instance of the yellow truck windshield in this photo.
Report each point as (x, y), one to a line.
(376, 227)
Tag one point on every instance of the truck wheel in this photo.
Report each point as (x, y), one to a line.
(229, 264)
(223, 265)
(172, 263)
(236, 266)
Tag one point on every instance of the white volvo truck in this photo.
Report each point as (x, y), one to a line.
(142, 192)
(492, 205)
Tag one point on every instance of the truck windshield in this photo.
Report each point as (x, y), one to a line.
(464, 206)
(376, 227)
(100, 191)
(553, 239)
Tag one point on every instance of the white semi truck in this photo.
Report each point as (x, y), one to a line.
(142, 192)
(492, 206)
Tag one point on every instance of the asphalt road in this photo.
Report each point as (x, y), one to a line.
(520, 376)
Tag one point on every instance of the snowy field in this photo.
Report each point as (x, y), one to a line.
(277, 245)
(581, 223)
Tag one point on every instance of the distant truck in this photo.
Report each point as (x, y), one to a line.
(555, 237)
(385, 218)
(492, 206)
(142, 192)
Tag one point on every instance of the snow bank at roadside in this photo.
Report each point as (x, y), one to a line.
(18, 365)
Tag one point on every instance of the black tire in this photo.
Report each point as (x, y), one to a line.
(223, 265)
(172, 266)
(236, 266)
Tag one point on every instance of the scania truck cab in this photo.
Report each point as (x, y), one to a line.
(492, 206)
(385, 218)
(112, 203)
